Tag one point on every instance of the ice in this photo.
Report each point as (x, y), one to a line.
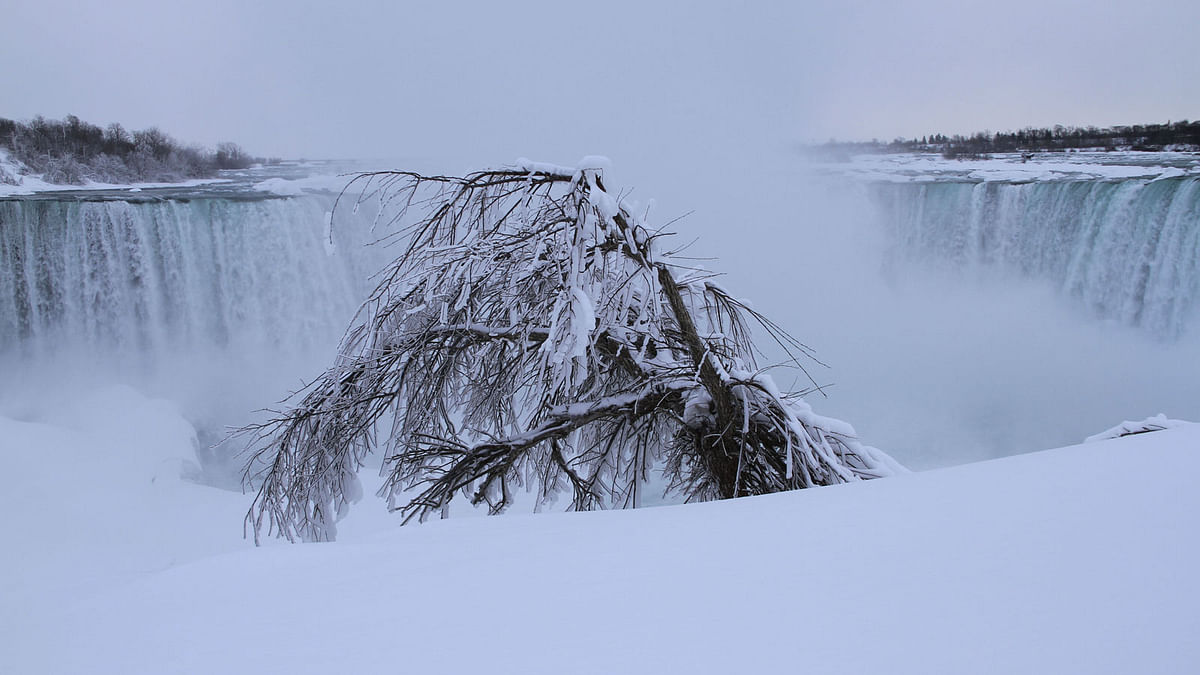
(280, 186)
(329, 183)
(1170, 172)
(1012, 167)
(328, 240)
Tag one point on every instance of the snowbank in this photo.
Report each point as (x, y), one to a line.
(1158, 422)
(1055, 562)
(96, 498)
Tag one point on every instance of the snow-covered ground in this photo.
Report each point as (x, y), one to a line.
(15, 180)
(1012, 167)
(286, 179)
(1076, 560)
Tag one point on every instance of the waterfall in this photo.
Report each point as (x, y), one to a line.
(220, 304)
(1126, 250)
(163, 277)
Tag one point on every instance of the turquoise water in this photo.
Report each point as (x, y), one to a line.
(1124, 250)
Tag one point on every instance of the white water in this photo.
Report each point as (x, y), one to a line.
(943, 353)
(223, 305)
(159, 278)
(1126, 250)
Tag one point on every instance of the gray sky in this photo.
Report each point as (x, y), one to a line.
(482, 82)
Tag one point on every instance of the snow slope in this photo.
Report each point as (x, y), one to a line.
(1077, 560)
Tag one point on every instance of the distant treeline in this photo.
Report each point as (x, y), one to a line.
(71, 152)
(1182, 135)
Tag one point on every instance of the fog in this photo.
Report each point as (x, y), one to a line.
(700, 107)
(935, 367)
(941, 367)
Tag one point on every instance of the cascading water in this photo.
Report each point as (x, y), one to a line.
(966, 318)
(221, 304)
(1127, 250)
(159, 278)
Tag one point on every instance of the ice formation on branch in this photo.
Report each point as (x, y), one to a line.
(532, 335)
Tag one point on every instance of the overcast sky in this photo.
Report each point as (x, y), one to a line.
(481, 82)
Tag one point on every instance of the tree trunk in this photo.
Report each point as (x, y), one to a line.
(720, 447)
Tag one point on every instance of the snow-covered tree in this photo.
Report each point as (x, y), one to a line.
(533, 334)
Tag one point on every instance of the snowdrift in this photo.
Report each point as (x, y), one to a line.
(1076, 560)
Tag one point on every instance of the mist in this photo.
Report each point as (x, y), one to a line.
(934, 366)
(700, 107)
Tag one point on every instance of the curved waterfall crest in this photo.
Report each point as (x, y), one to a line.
(1126, 250)
(161, 276)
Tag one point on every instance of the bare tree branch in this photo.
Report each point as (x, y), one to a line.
(531, 335)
